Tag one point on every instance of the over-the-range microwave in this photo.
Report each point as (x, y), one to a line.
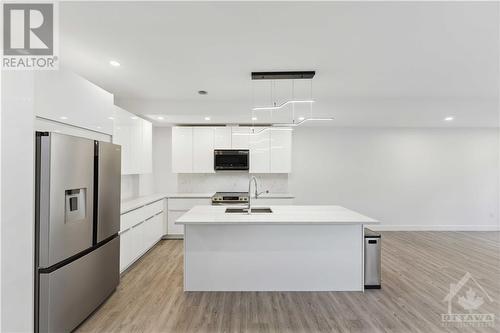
(231, 159)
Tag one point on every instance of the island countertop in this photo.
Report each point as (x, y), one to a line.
(281, 215)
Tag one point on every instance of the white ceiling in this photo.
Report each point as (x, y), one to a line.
(377, 64)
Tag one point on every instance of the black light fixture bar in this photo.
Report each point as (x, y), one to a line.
(283, 75)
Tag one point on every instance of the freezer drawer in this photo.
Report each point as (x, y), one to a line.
(108, 190)
(71, 293)
(372, 260)
(65, 195)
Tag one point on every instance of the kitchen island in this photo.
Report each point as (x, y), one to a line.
(294, 248)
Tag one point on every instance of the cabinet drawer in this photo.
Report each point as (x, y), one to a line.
(158, 226)
(186, 204)
(153, 208)
(131, 218)
(130, 243)
(138, 215)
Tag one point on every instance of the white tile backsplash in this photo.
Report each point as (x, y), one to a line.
(230, 182)
(130, 186)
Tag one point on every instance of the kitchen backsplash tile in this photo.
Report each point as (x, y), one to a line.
(129, 187)
(230, 182)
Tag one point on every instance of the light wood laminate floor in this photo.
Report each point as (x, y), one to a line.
(417, 269)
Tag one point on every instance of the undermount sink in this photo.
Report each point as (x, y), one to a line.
(253, 210)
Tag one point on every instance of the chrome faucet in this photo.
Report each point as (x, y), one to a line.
(257, 193)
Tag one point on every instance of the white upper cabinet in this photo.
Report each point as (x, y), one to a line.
(182, 149)
(193, 148)
(122, 135)
(222, 137)
(259, 151)
(203, 149)
(68, 98)
(135, 136)
(241, 137)
(147, 147)
(280, 150)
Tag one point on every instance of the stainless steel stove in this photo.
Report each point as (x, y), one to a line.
(228, 198)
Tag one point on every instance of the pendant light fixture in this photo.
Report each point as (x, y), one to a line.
(272, 77)
(289, 75)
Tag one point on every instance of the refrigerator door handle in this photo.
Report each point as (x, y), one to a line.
(108, 185)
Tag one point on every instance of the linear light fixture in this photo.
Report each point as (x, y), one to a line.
(282, 105)
(265, 129)
(303, 121)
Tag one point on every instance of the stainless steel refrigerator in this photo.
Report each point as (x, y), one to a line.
(77, 223)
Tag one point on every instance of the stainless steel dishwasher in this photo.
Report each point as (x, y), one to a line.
(373, 244)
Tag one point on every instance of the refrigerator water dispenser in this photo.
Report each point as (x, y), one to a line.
(75, 207)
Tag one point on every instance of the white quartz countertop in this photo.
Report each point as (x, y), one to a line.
(280, 215)
(131, 204)
(134, 203)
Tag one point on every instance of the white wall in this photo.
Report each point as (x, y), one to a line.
(17, 201)
(407, 178)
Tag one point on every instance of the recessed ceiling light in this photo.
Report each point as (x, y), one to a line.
(114, 63)
(301, 118)
(449, 118)
(134, 117)
(63, 117)
(111, 118)
(160, 118)
(207, 118)
(98, 127)
(254, 118)
(202, 92)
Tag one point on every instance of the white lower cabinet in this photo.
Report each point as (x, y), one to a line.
(141, 229)
(172, 228)
(128, 248)
(176, 208)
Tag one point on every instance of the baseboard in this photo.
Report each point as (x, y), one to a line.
(173, 237)
(434, 227)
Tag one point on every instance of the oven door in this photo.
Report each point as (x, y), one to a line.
(231, 159)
